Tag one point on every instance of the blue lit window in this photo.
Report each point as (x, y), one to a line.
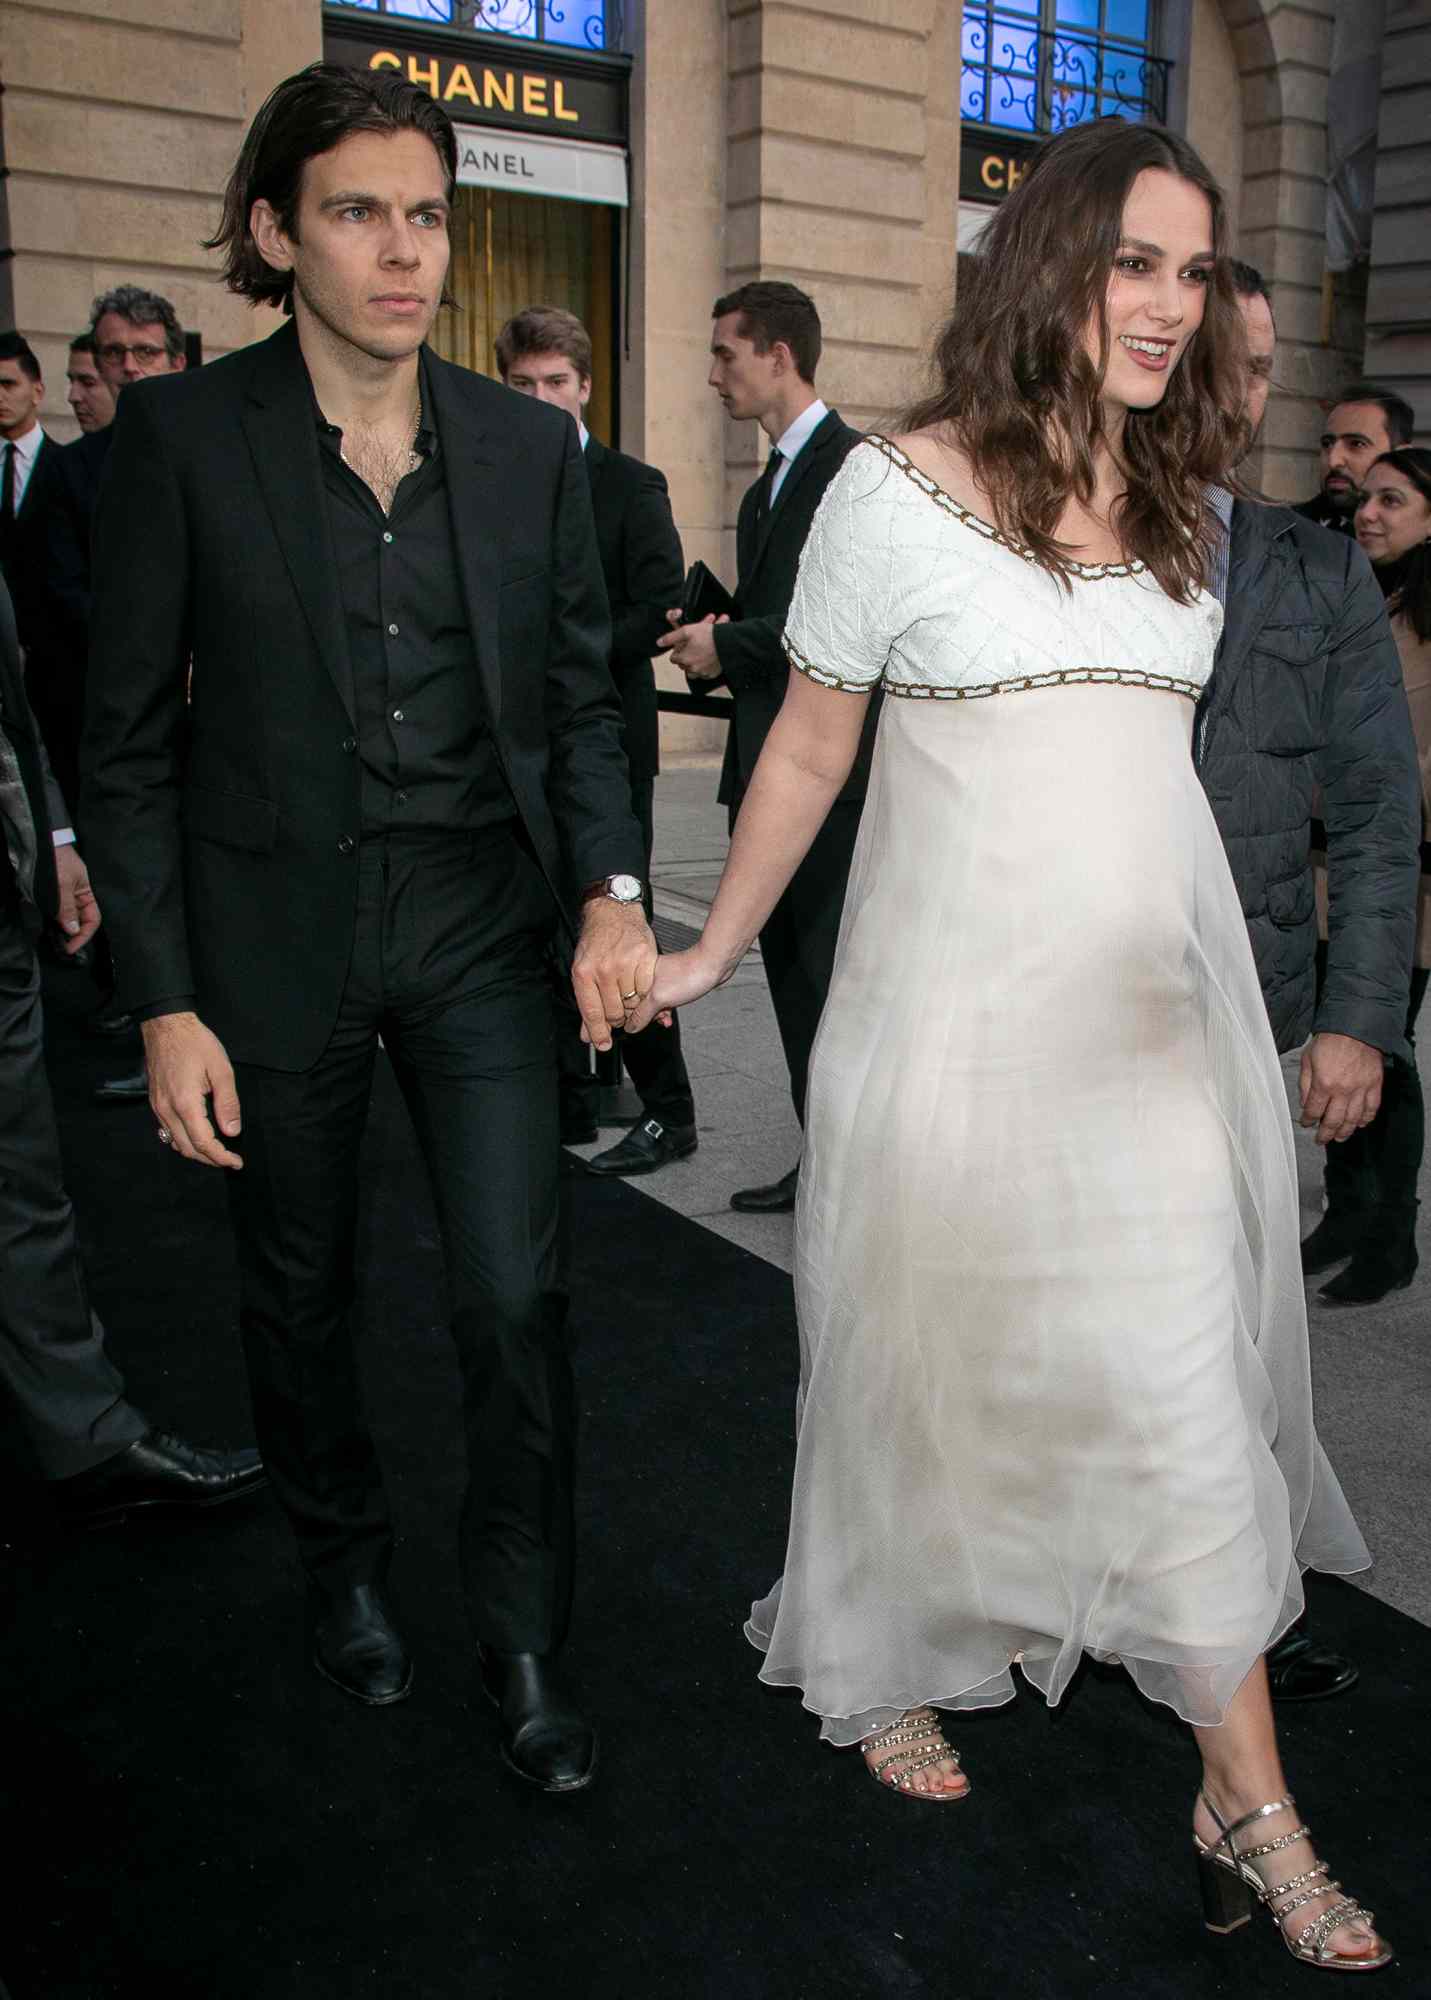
(1045, 64)
(580, 24)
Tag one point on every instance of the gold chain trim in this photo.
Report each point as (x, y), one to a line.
(1064, 677)
(1089, 572)
(1019, 684)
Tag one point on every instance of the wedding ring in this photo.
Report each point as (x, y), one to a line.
(631, 996)
(166, 1137)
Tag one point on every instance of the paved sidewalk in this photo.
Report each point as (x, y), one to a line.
(1371, 1365)
(748, 1129)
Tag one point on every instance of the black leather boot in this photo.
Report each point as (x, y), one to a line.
(545, 1737)
(1336, 1237)
(357, 1647)
(1385, 1262)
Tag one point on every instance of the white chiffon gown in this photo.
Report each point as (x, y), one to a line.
(1054, 1385)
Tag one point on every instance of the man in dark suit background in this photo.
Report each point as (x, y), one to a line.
(24, 448)
(765, 347)
(353, 754)
(546, 352)
(101, 1457)
(88, 393)
(1364, 421)
(134, 334)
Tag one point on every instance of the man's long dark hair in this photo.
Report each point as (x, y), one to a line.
(306, 115)
(1408, 582)
(1014, 385)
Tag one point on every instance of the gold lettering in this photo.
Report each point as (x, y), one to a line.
(423, 73)
(499, 91)
(460, 84)
(559, 106)
(991, 171)
(534, 97)
(1016, 174)
(385, 59)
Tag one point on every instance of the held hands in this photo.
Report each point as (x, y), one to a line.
(681, 977)
(692, 647)
(187, 1070)
(78, 912)
(1340, 1086)
(612, 971)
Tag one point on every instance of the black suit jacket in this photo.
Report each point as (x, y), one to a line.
(644, 569)
(228, 828)
(47, 808)
(750, 650)
(54, 609)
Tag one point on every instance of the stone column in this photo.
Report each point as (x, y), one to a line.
(1398, 305)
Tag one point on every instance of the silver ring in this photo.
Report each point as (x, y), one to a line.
(166, 1137)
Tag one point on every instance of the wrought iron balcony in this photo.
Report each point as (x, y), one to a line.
(574, 24)
(1019, 78)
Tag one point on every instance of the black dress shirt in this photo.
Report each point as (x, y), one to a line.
(428, 760)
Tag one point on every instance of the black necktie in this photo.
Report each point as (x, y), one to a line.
(764, 496)
(7, 504)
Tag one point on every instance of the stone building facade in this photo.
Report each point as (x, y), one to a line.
(820, 141)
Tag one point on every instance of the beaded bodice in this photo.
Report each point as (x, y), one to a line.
(901, 586)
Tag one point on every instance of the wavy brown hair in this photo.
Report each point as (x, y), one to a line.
(1014, 384)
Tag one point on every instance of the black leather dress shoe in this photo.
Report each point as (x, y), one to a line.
(545, 1737)
(648, 1145)
(123, 1089)
(357, 1647)
(777, 1199)
(1298, 1669)
(157, 1471)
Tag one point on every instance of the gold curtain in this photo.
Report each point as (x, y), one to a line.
(516, 250)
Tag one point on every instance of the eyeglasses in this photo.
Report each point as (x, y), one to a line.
(115, 353)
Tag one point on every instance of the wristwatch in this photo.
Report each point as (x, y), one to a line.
(616, 888)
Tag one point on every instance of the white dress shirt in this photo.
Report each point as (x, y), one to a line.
(27, 450)
(790, 443)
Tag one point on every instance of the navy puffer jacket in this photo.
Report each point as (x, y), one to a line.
(1307, 706)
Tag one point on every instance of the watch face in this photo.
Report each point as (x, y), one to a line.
(624, 888)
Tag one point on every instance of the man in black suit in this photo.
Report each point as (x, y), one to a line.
(134, 334)
(546, 352)
(24, 448)
(765, 346)
(1364, 421)
(102, 1458)
(398, 770)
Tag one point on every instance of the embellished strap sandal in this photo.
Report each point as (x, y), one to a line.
(1230, 1884)
(913, 1743)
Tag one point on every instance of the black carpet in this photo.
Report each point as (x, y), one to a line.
(192, 1815)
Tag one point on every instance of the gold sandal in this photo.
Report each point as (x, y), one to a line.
(1229, 1883)
(914, 1742)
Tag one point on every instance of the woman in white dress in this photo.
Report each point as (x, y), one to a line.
(1054, 1392)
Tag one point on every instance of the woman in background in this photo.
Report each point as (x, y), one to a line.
(1371, 1177)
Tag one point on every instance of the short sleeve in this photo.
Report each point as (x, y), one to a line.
(842, 620)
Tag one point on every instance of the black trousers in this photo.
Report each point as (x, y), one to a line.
(448, 967)
(652, 1059)
(1375, 1171)
(56, 1377)
(800, 935)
